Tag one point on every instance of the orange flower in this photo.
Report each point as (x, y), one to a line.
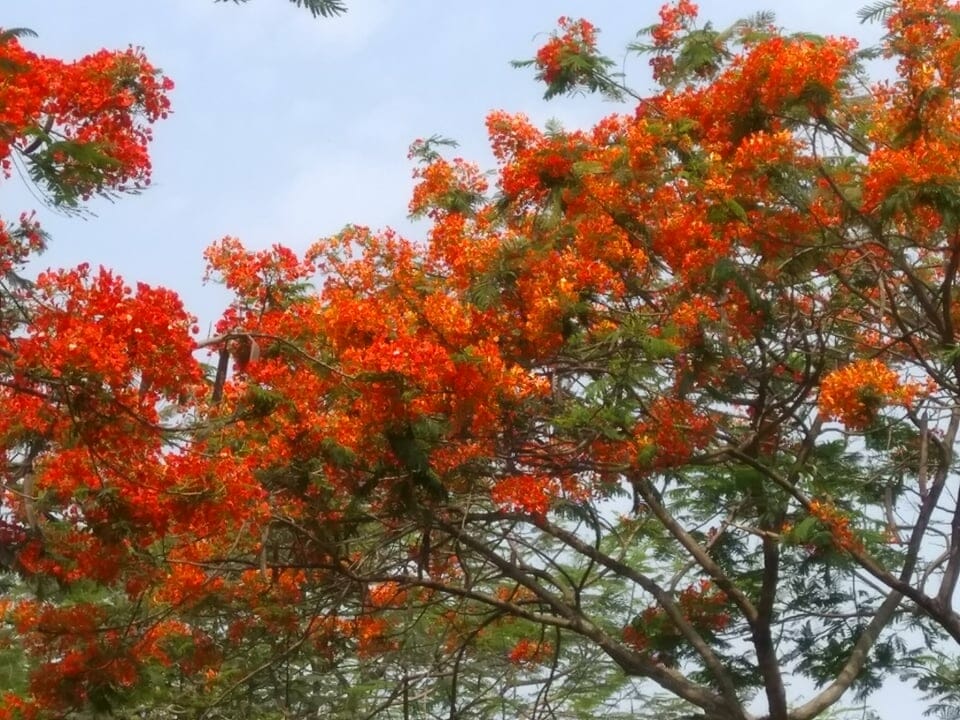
(528, 652)
(577, 37)
(386, 595)
(531, 494)
(855, 393)
(701, 604)
(837, 523)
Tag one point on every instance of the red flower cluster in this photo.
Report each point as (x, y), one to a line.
(556, 59)
(60, 115)
(19, 241)
(673, 18)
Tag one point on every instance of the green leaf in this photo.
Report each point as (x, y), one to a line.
(9, 34)
(317, 8)
(736, 209)
(876, 11)
(805, 530)
(588, 167)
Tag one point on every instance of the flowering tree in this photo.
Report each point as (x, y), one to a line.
(671, 405)
(701, 304)
(72, 343)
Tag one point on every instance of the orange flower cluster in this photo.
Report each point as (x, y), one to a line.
(104, 101)
(702, 605)
(79, 657)
(446, 186)
(386, 595)
(837, 523)
(778, 77)
(135, 332)
(855, 393)
(554, 59)
(372, 635)
(913, 121)
(672, 433)
(533, 494)
(530, 652)
(19, 241)
(257, 277)
(673, 18)
(369, 633)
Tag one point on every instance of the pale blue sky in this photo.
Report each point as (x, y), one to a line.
(285, 128)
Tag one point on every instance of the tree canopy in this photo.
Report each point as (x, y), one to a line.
(654, 419)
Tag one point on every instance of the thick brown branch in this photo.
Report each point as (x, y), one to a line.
(697, 551)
